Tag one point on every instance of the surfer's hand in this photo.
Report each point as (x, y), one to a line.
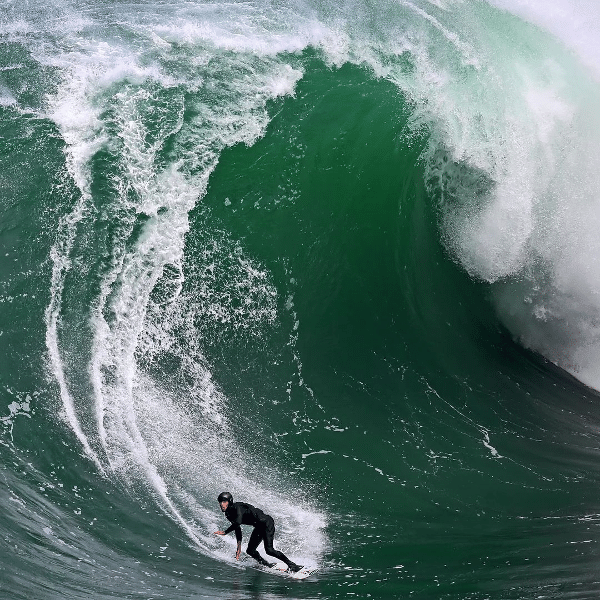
(219, 533)
(237, 553)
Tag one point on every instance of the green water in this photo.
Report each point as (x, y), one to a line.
(271, 250)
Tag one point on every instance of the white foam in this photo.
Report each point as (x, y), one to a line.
(6, 97)
(575, 22)
(60, 266)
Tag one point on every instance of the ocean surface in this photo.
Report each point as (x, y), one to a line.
(339, 258)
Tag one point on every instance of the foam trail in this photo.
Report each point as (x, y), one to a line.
(80, 130)
(60, 265)
(136, 272)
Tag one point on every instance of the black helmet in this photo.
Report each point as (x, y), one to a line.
(225, 497)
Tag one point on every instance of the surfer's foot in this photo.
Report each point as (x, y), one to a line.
(294, 568)
(264, 563)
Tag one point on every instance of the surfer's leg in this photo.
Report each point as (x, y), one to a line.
(269, 534)
(256, 537)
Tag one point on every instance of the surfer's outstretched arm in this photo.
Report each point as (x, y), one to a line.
(238, 534)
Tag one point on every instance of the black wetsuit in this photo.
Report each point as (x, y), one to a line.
(240, 513)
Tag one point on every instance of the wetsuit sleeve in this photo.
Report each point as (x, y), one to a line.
(238, 531)
(235, 524)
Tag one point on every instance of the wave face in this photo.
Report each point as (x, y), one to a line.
(338, 259)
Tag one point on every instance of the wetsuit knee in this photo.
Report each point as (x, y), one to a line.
(276, 554)
(256, 556)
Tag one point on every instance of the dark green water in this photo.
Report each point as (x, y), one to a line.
(319, 256)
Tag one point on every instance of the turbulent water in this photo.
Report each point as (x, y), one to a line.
(340, 259)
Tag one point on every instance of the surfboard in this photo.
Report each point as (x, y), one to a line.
(280, 568)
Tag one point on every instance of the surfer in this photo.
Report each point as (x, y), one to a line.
(240, 513)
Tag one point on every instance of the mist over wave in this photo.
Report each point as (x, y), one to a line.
(536, 226)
